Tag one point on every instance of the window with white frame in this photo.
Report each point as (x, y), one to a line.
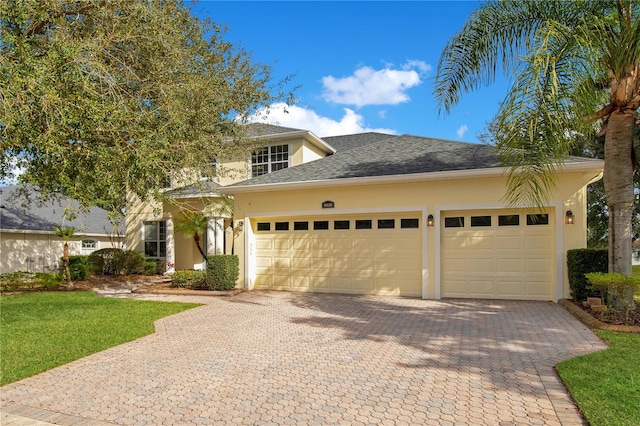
(155, 238)
(269, 159)
(89, 246)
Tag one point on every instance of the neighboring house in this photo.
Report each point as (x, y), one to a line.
(394, 215)
(27, 235)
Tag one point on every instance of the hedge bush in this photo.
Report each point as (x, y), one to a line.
(151, 266)
(106, 261)
(134, 263)
(222, 271)
(78, 266)
(114, 261)
(581, 262)
(188, 279)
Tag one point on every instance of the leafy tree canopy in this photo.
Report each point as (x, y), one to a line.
(101, 97)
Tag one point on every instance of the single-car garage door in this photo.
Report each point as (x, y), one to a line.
(506, 254)
(357, 254)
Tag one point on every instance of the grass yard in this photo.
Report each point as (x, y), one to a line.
(606, 384)
(46, 329)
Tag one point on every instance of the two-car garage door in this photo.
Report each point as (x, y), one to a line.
(357, 254)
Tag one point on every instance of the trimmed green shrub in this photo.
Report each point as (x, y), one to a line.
(619, 288)
(78, 266)
(222, 271)
(151, 266)
(133, 263)
(581, 262)
(106, 261)
(188, 279)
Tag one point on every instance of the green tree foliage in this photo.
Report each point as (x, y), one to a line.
(192, 224)
(100, 97)
(575, 68)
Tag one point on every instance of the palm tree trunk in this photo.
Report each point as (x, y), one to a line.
(65, 260)
(618, 183)
(196, 239)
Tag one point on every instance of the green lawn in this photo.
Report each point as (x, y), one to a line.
(606, 384)
(46, 329)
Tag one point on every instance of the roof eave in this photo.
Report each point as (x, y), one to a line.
(594, 165)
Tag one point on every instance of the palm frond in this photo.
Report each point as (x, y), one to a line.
(497, 33)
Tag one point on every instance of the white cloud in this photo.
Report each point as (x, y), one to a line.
(367, 86)
(302, 118)
(462, 130)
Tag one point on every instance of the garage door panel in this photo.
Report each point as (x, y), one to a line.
(342, 264)
(452, 265)
(301, 263)
(509, 242)
(538, 265)
(363, 285)
(341, 283)
(321, 244)
(320, 263)
(320, 282)
(511, 262)
(537, 242)
(366, 264)
(300, 282)
(511, 288)
(509, 265)
(482, 264)
(282, 263)
(264, 244)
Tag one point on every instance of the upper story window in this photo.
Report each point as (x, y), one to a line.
(269, 159)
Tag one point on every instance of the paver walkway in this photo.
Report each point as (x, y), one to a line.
(288, 358)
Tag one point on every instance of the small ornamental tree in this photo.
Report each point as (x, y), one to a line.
(194, 225)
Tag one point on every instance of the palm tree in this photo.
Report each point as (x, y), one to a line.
(192, 224)
(66, 234)
(575, 70)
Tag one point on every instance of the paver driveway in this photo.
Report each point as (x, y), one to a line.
(288, 358)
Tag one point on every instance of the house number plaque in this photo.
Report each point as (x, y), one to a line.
(328, 204)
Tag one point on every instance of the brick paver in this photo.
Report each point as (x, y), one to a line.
(289, 358)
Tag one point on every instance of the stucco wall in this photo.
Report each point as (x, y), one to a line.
(426, 197)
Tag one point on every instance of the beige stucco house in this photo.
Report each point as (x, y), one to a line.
(394, 215)
(27, 238)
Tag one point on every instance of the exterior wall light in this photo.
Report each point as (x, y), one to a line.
(569, 218)
(240, 225)
(430, 220)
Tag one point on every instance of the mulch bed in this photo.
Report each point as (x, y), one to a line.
(613, 317)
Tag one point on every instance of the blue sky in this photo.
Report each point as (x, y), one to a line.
(361, 66)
